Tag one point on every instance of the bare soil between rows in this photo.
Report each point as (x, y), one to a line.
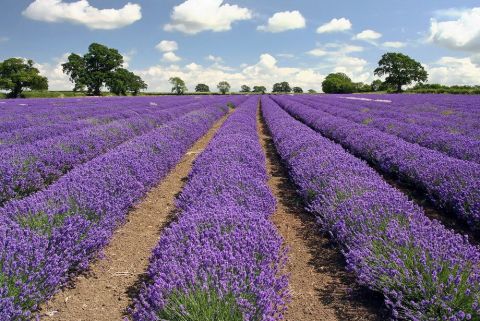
(320, 286)
(106, 290)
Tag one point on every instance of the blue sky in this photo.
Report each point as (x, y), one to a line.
(245, 41)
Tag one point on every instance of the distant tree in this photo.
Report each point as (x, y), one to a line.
(245, 89)
(223, 87)
(312, 91)
(360, 87)
(376, 85)
(400, 70)
(259, 89)
(178, 85)
(281, 87)
(17, 74)
(297, 90)
(123, 81)
(202, 88)
(94, 69)
(338, 83)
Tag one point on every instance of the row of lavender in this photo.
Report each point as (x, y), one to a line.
(57, 120)
(454, 145)
(28, 168)
(403, 109)
(464, 104)
(434, 107)
(450, 183)
(49, 235)
(40, 112)
(221, 260)
(425, 271)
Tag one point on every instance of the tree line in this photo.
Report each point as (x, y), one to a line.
(398, 69)
(102, 67)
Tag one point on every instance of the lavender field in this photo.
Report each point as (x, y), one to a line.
(390, 182)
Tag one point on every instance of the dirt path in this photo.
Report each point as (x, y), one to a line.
(105, 291)
(321, 288)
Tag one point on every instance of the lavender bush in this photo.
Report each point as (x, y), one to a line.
(46, 237)
(29, 168)
(450, 183)
(221, 260)
(100, 115)
(424, 271)
(449, 143)
(17, 114)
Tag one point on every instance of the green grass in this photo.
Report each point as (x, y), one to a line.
(201, 305)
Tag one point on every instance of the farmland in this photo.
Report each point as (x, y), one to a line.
(240, 207)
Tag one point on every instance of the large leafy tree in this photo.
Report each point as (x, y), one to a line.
(282, 87)
(400, 70)
(96, 69)
(178, 85)
(259, 89)
(223, 87)
(338, 83)
(297, 90)
(202, 88)
(245, 89)
(123, 81)
(17, 74)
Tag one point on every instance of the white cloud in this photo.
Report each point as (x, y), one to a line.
(81, 12)
(394, 44)
(167, 45)
(214, 59)
(335, 25)
(4, 39)
(448, 13)
(265, 72)
(285, 55)
(454, 71)
(194, 16)
(318, 52)
(283, 21)
(334, 49)
(335, 57)
(171, 57)
(355, 68)
(461, 33)
(476, 59)
(368, 35)
(57, 80)
(127, 57)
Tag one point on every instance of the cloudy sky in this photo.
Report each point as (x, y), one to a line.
(247, 41)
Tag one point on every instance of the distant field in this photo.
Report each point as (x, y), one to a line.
(233, 198)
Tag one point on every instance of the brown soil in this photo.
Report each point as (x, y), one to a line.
(321, 288)
(105, 291)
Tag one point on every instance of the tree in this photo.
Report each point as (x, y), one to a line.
(259, 89)
(245, 89)
(376, 85)
(17, 74)
(281, 87)
(297, 90)
(123, 81)
(223, 87)
(178, 85)
(360, 87)
(202, 88)
(97, 68)
(337, 83)
(312, 91)
(400, 69)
